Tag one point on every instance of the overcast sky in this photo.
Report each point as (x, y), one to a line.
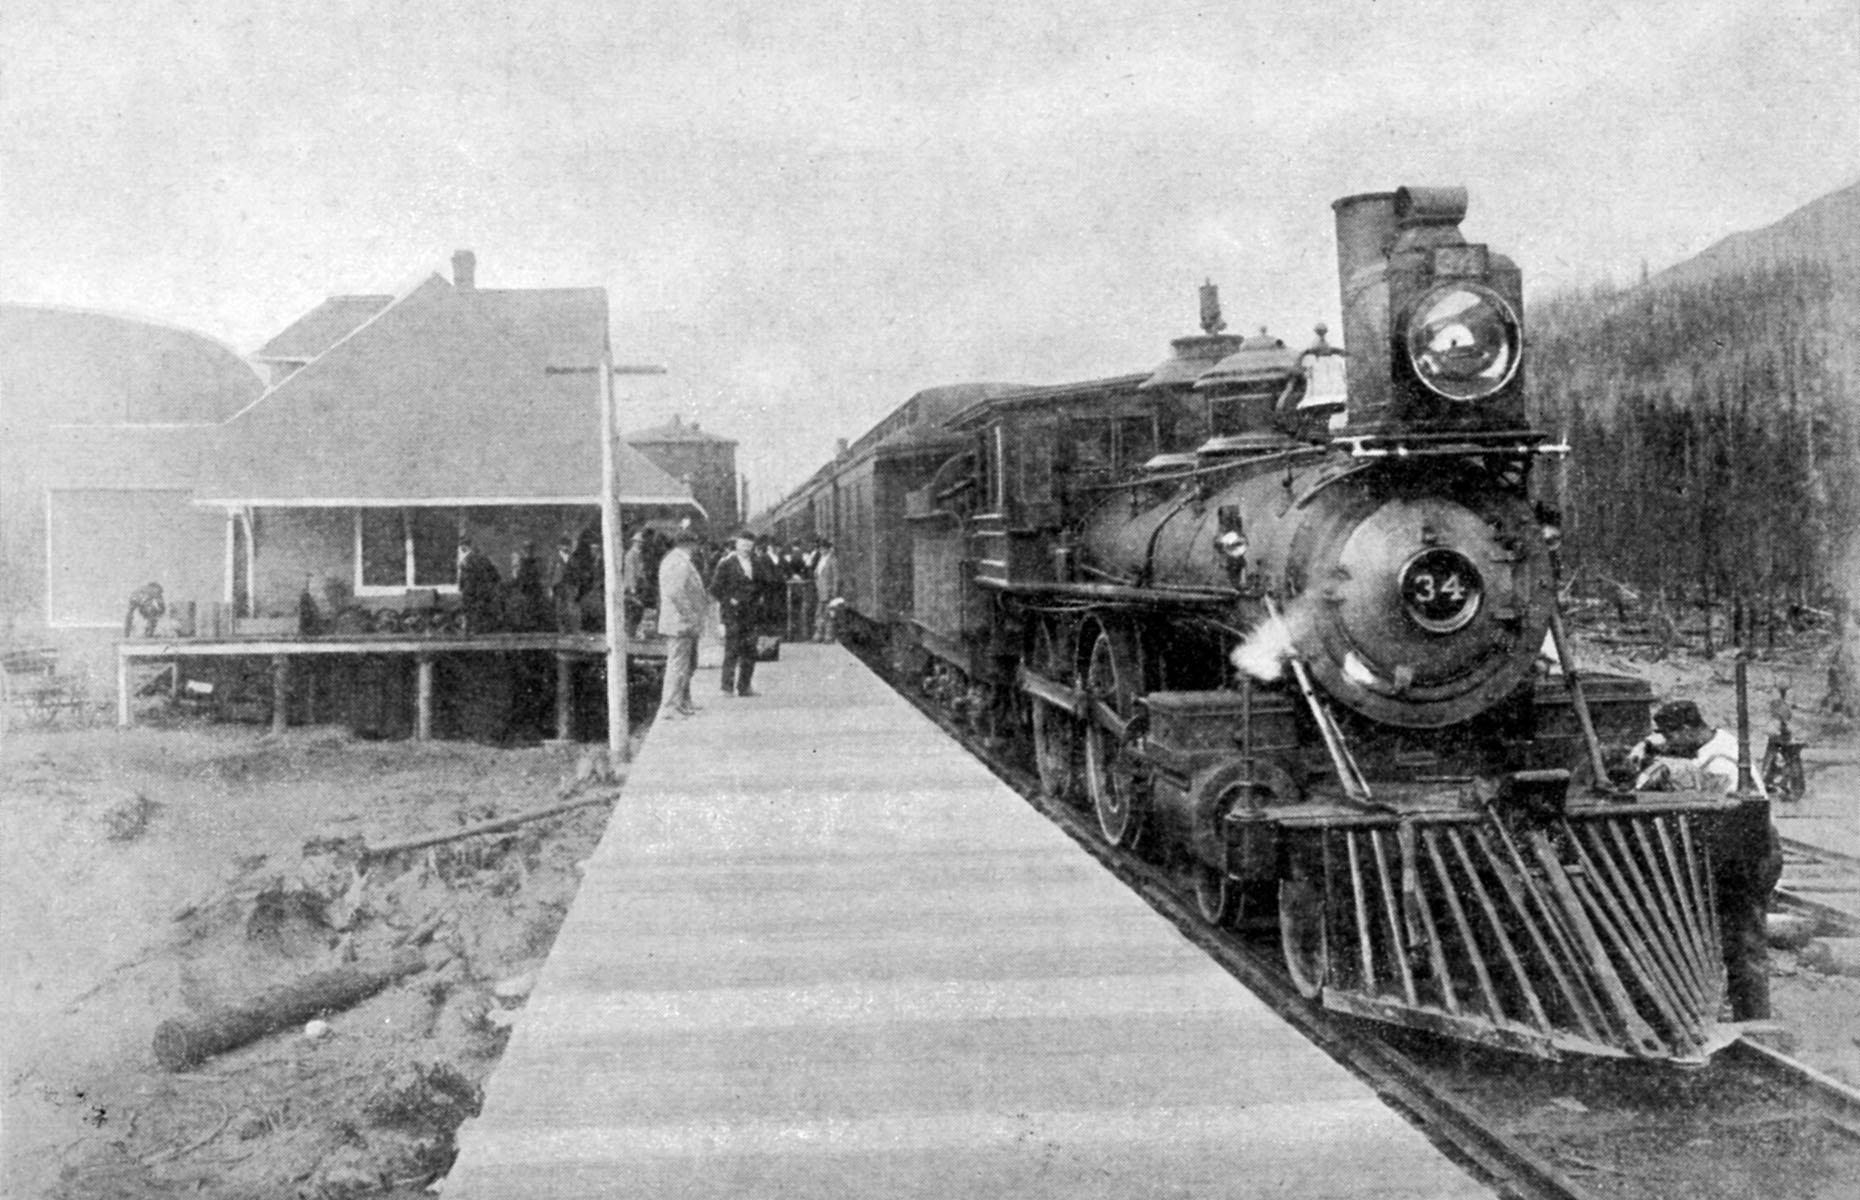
(806, 210)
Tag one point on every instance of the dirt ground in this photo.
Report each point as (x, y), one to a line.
(163, 871)
(184, 866)
(1817, 1012)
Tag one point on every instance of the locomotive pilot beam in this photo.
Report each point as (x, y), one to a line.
(1287, 634)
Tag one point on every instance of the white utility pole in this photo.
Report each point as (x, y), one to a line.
(613, 546)
(613, 552)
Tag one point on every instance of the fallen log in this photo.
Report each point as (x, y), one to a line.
(498, 825)
(184, 1041)
(422, 933)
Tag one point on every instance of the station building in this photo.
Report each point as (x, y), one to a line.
(391, 426)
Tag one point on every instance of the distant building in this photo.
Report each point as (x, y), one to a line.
(700, 458)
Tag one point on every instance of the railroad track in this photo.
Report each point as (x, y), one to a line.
(1822, 885)
(1514, 1169)
(1753, 1121)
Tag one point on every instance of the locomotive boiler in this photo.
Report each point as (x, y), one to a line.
(1287, 618)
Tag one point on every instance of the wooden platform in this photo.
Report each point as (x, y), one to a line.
(423, 649)
(821, 952)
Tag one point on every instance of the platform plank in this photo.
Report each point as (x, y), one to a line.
(822, 952)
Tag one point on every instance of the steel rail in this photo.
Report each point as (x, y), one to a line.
(1825, 915)
(1842, 1098)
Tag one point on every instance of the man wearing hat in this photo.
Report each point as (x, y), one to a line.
(480, 590)
(1685, 754)
(632, 581)
(567, 575)
(684, 605)
(826, 591)
(737, 587)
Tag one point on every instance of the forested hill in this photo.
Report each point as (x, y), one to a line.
(1825, 231)
(1714, 414)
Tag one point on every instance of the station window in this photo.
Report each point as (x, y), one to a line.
(399, 548)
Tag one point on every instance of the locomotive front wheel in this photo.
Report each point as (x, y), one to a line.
(1110, 679)
(1217, 896)
(1302, 936)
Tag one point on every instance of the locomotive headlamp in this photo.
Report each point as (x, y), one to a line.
(1441, 590)
(1232, 544)
(1464, 341)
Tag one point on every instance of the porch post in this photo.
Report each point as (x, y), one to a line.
(423, 697)
(123, 717)
(564, 697)
(280, 692)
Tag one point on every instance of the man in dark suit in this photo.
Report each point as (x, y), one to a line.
(735, 587)
(567, 579)
(772, 582)
(480, 590)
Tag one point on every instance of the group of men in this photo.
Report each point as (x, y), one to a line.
(567, 598)
(741, 582)
(492, 604)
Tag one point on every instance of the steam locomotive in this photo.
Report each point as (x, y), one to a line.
(1288, 617)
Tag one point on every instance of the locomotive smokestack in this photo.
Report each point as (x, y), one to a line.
(1365, 231)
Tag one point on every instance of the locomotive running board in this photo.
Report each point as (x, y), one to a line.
(1592, 934)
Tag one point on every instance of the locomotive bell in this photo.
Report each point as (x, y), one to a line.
(1434, 322)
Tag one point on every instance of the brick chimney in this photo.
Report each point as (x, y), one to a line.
(464, 270)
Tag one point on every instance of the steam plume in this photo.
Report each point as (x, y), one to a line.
(1273, 642)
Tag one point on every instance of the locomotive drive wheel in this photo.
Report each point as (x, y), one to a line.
(1111, 680)
(1056, 734)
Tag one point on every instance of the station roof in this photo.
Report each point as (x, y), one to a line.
(443, 395)
(321, 328)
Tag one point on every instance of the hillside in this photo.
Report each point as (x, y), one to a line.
(62, 367)
(1714, 414)
(1824, 232)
